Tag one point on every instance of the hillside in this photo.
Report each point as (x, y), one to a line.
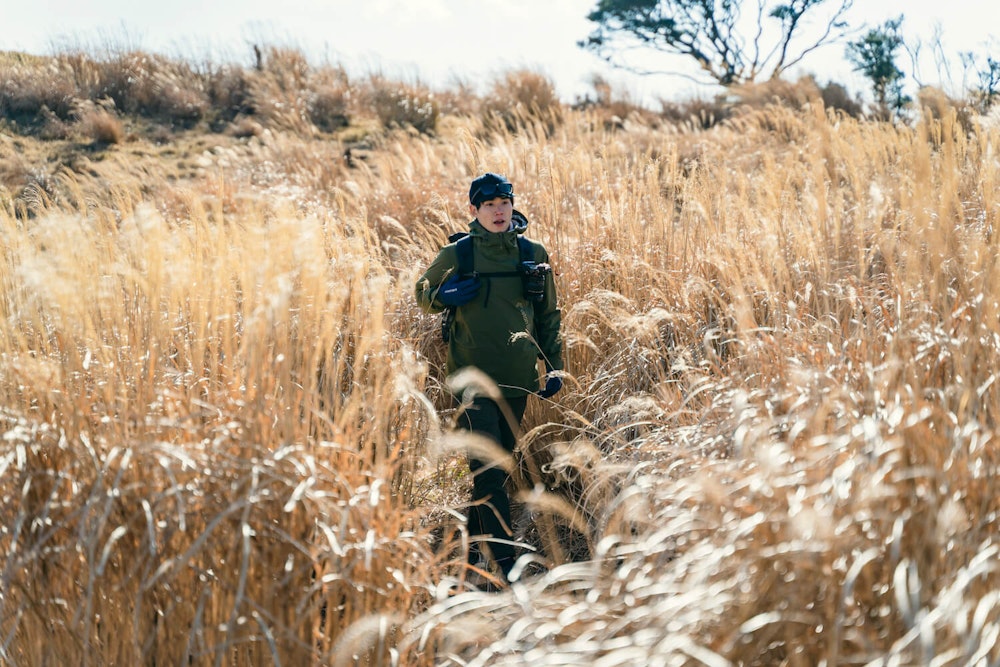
(227, 434)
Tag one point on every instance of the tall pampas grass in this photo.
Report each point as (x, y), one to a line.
(227, 432)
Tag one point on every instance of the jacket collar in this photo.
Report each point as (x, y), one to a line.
(507, 239)
(488, 239)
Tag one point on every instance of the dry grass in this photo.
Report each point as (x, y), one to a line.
(225, 428)
(100, 125)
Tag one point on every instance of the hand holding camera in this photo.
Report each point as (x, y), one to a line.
(534, 280)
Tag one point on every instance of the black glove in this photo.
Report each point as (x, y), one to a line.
(458, 291)
(552, 385)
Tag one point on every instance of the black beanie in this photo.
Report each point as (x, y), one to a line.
(490, 186)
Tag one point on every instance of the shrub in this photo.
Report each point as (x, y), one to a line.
(330, 100)
(459, 98)
(52, 126)
(229, 92)
(278, 89)
(140, 83)
(835, 96)
(127, 78)
(400, 105)
(245, 127)
(794, 95)
(287, 68)
(178, 98)
(695, 113)
(523, 97)
(29, 85)
(937, 106)
(155, 87)
(616, 106)
(100, 125)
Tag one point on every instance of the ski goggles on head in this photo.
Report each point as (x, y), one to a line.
(492, 191)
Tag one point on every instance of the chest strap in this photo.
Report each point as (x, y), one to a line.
(466, 260)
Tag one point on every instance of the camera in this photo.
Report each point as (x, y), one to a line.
(534, 280)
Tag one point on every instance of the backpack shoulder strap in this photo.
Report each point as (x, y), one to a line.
(524, 248)
(466, 262)
(463, 249)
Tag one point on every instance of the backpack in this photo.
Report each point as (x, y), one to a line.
(466, 267)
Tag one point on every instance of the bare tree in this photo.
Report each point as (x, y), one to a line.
(986, 69)
(711, 32)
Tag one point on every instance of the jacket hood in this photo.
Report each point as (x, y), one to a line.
(519, 223)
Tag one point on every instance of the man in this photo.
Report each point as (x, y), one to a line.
(506, 317)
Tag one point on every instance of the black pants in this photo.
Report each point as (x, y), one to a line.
(489, 515)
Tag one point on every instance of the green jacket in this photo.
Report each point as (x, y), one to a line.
(485, 331)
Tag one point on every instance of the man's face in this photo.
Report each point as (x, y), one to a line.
(494, 214)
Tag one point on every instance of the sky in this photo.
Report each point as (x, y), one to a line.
(438, 42)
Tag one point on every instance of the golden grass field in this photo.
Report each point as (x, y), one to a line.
(226, 437)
